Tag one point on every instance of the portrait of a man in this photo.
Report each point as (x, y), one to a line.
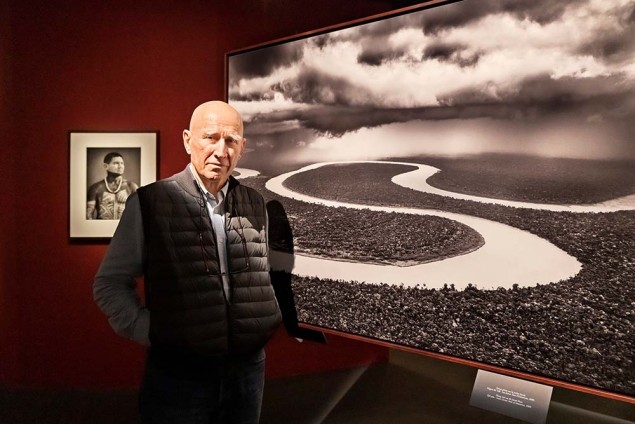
(106, 198)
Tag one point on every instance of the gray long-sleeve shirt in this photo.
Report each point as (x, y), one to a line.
(114, 288)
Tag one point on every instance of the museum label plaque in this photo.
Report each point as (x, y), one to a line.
(510, 396)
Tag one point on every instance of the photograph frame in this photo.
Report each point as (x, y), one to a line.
(86, 151)
(283, 54)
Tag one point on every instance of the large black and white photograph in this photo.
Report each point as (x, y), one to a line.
(105, 169)
(459, 179)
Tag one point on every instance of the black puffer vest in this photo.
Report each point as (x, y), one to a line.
(183, 286)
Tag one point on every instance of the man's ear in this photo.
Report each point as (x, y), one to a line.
(186, 141)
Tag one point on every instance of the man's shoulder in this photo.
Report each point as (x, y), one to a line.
(237, 186)
(130, 185)
(183, 180)
(96, 187)
(246, 194)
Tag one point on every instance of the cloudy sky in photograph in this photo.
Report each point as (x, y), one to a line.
(520, 76)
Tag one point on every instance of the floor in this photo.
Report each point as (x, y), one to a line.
(408, 389)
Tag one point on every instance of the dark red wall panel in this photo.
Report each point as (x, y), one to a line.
(9, 318)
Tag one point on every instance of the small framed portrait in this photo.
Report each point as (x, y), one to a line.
(105, 169)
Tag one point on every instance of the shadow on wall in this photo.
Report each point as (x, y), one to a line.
(281, 260)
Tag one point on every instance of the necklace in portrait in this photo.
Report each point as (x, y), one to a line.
(118, 187)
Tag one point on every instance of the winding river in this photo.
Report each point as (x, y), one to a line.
(509, 255)
(418, 180)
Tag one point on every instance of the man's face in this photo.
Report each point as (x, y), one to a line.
(215, 143)
(115, 166)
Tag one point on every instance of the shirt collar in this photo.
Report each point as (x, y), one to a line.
(201, 186)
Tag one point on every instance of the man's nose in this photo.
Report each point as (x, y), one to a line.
(221, 148)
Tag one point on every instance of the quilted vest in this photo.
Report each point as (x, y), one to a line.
(183, 287)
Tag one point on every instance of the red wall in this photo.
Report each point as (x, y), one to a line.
(95, 66)
(9, 368)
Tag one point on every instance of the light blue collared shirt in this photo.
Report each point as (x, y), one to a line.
(216, 210)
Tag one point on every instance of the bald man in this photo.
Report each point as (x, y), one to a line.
(199, 239)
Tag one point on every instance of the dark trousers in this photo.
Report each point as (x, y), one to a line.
(220, 390)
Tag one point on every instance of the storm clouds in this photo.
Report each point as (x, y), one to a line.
(520, 61)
